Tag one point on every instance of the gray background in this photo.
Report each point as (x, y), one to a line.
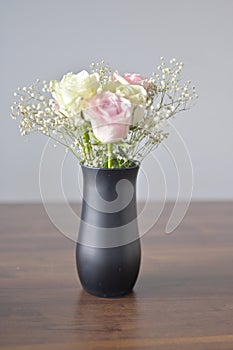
(46, 39)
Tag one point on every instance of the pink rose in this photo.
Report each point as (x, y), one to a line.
(110, 116)
(128, 78)
(134, 79)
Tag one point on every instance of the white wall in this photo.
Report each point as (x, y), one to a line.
(48, 38)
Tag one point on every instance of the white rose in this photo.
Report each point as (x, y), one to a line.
(136, 94)
(138, 114)
(72, 91)
(87, 84)
(111, 86)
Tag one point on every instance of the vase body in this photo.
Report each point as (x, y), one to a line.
(108, 251)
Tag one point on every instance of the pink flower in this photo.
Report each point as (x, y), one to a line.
(134, 79)
(128, 78)
(110, 116)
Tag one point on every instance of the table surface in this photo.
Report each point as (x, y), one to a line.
(183, 298)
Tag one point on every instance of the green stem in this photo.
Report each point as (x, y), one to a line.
(87, 142)
(109, 155)
(87, 145)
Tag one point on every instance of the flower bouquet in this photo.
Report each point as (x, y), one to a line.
(110, 122)
(106, 119)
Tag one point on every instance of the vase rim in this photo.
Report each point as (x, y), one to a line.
(134, 166)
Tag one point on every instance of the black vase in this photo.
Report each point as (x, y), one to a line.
(108, 250)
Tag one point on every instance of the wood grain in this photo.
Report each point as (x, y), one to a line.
(183, 298)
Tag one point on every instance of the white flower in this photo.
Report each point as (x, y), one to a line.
(138, 114)
(111, 86)
(136, 94)
(73, 90)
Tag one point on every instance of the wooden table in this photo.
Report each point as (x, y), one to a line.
(183, 298)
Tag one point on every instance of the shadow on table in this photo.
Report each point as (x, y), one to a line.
(106, 314)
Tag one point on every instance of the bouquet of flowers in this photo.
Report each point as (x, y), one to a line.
(105, 118)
